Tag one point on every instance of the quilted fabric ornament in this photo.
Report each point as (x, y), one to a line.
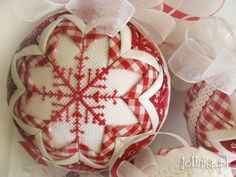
(83, 100)
(210, 116)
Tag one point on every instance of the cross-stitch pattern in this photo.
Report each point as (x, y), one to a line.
(78, 87)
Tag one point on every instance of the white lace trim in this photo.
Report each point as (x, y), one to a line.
(197, 105)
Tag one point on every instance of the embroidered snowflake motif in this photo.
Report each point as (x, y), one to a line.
(79, 94)
(91, 89)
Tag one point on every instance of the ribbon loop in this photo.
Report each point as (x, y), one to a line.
(204, 55)
(108, 16)
(222, 71)
(189, 61)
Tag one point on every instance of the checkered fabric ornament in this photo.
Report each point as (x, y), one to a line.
(211, 120)
(82, 100)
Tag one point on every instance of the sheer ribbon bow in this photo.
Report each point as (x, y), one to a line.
(207, 54)
(107, 16)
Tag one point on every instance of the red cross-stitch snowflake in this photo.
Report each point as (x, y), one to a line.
(77, 92)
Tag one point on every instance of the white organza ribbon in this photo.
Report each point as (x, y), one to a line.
(145, 164)
(171, 164)
(107, 16)
(206, 55)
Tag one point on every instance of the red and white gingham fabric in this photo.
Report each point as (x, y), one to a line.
(89, 86)
(215, 115)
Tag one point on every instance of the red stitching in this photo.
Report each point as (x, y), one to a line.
(77, 95)
(98, 96)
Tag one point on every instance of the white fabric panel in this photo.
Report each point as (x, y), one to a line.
(38, 108)
(119, 114)
(61, 133)
(66, 52)
(42, 76)
(93, 136)
(122, 80)
(98, 54)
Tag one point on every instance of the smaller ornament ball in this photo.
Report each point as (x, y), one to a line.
(211, 120)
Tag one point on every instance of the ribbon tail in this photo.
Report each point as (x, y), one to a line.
(157, 25)
(189, 62)
(222, 71)
(145, 159)
(108, 17)
(33, 10)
